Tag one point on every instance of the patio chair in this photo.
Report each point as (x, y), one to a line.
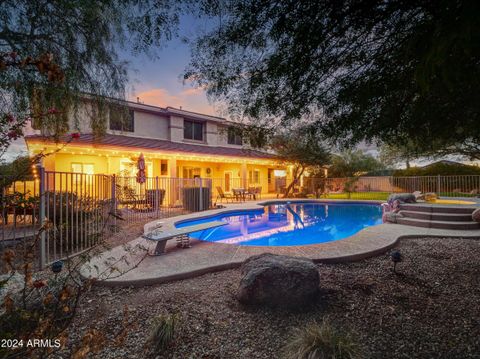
(239, 194)
(126, 196)
(252, 193)
(258, 192)
(222, 195)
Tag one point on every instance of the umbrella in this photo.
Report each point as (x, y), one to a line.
(141, 178)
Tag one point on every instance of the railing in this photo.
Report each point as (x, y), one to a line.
(381, 187)
(76, 211)
(160, 197)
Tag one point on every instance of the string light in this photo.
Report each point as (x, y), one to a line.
(163, 155)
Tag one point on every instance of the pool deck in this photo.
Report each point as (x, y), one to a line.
(135, 268)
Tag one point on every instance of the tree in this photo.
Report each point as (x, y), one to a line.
(302, 150)
(392, 154)
(56, 55)
(394, 71)
(353, 163)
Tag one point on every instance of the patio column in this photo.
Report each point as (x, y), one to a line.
(174, 185)
(244, 175)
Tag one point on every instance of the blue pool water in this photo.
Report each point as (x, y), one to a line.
(289, 224)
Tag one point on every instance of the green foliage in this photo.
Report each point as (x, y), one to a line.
(162, 333)
(17, 170)
(54, 53)
(350, 186)
(321, 341)
(303, 150)
(394, 71)
(301, 147)
(439, 168)
(353, 163)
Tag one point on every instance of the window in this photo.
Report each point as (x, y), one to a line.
(193, 130)
(191, 172)
(234, 136)
(84, 168)
(121, 120)
(254, 176)
(163, 168)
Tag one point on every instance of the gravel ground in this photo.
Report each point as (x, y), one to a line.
(430, 309)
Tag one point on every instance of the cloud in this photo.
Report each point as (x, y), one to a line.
(190, 99)
(192, 91)
(159, 97)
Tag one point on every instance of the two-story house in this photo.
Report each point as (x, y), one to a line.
(175, 143)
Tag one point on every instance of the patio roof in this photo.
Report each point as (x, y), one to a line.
(139, 143)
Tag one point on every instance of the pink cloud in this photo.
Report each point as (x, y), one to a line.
(158, 97)
(190, 99)
(192, 91)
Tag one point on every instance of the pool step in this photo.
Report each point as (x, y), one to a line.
(438, 224)
(437, 208)
(437, 216)
(433, 216)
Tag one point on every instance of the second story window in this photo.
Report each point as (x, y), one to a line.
(193, 130)
(234, 136)
(122, 120)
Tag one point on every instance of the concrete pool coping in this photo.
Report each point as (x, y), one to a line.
(206, 257)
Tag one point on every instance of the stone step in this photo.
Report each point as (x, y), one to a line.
(432, 216)
(438, 224)
(437, 208)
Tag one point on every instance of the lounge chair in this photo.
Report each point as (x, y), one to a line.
(181, 234)
(222, 195)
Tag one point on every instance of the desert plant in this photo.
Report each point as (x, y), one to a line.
(321, 341)
(350, 186)
(162, 333)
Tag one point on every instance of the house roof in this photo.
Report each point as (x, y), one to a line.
(139, 143)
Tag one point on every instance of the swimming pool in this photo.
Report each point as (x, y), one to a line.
(289, 224)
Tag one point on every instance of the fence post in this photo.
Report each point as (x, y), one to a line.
(114, 198)
(438, 184)
(200, 194)
(41, 214)
(157, 197)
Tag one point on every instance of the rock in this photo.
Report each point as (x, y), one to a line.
(390, 217)
(402, 198)
(12, 284)
(476, 215)
(277, 280)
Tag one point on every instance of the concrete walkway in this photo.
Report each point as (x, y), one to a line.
(134, 268)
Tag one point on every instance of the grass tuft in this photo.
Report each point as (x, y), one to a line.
(162, 333)
(321, 341)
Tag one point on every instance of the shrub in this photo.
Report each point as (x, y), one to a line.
(321, 341)
(439, 168)
(162, 332)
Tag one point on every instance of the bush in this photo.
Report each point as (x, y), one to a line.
(321, 342)
(439, 168)
(162, 333)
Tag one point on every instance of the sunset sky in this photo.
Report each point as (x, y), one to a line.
(159, 81)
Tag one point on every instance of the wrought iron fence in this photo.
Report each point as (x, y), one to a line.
(381, 187)
(76, 211)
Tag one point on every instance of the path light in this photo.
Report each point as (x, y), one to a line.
(396, 257)
(57, 266)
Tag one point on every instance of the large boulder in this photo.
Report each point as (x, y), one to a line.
(476, 215)
(277, 280)
(402, 198)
